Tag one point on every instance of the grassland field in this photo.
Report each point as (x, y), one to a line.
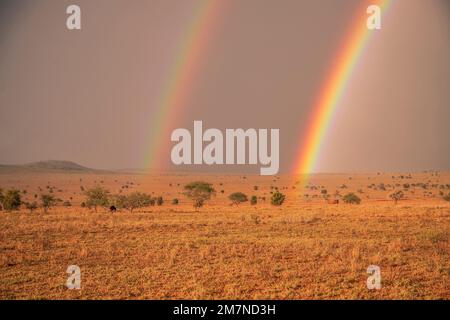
(304, 249)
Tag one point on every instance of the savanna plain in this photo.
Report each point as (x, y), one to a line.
(309, 247)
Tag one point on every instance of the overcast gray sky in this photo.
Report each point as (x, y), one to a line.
(89, 95)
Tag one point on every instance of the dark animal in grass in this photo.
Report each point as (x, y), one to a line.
(112, 209)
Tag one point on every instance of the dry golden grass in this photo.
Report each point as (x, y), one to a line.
(303, 249)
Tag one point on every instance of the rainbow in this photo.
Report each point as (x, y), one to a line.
(181, 75)
(334, 87)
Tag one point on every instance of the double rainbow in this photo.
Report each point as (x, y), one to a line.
(193, 48)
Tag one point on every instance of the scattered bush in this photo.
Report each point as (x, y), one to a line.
(351, 198)
(277, 199)
(67, 204)
(447, 197)
(175, 201)
(238, 197)
(159, 201)
(253, 200)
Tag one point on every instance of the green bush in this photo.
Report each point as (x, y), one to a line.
(253, 200)
(351, 198)
(238, 197)
(277, 199)
(11, 200)
(159, 201)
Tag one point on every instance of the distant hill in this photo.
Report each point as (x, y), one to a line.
(49, 165)
(57, 165)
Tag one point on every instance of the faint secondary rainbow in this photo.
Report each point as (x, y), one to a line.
(334, 87)
(182, 75)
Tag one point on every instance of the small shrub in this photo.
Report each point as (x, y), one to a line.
(159, 201)
(175, 201)
(277, 198)
(351, 198)
(447, 197)
(237, 198)
(253, 200)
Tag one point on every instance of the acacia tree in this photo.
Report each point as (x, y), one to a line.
(199, 192)
(47, 201)
(97, 196)
(137, 200)
(397, 195)
(132, 201)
